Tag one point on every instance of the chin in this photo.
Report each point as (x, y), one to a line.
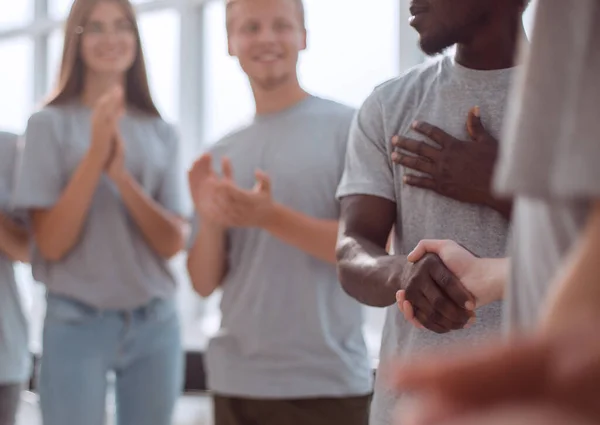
(433, 46)
(270, 82)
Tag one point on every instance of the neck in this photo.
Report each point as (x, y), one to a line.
(95, 86)
(496, 50)
(269, 101)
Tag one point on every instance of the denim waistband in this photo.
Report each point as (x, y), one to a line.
(76, 307)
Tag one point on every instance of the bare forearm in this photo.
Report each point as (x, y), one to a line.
(14, 240)
(576, 291)
(207, 259)
(163, 231)
(365, 268)
(57, 230)
(311, 235)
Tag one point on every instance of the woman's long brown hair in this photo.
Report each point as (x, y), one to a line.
(71, 77)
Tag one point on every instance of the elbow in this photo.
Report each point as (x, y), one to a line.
(172, 245)
(23, 254)
(202, 290)
(201, 284)
(344, 270)
(346, 278)
(171, 249)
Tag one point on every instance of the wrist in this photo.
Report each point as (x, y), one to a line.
(398, 268)
(271, 216)
(120, 178)
(210, 225)
(93, 163)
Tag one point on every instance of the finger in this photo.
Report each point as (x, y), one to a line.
(400, 299)
(202, 167)
(263, 181)
(451, 286)
(406, 308)
(421, 149)
(414, 163)
(423, 247)
(421, 182)
(434, 326)
(425, 312)
(227, 168)
(474, 126)
(409, 315)
(443, 310)
(434, 133)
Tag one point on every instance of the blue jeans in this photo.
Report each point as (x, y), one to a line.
(81, 345)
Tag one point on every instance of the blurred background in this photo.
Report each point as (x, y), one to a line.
(354, 45)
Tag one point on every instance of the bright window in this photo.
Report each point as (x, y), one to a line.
(16, 99)
(18, 13)
(161, 51)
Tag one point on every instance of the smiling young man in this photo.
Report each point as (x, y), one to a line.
(421, 158)
(290, 349)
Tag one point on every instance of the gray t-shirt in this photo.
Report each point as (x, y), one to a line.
(552, 155)
(111, 266)
(440, 92)
(288, 329)
(14, 352)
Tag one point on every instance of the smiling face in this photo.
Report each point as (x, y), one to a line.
(444, 23)
(108, 44)
(266, 36)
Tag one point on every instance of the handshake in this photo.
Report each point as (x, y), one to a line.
(443, 284)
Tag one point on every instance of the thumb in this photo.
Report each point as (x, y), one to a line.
(423, 247)
(263, 181)
(474, 126)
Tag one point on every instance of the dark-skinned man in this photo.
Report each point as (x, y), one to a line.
(448, 111)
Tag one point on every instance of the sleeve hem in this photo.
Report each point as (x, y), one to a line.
(364, 189)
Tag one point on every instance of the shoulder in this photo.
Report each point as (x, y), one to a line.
(48, 115)
(8, 143)
(46, 124)
(7, 138)
(232, 141)
(330, 110)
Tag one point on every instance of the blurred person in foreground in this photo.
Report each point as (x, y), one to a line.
(550, 165)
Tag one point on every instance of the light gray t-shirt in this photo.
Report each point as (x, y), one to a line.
(552, 155)
(288, 329)
(440, 92)
(14, 350)
(111, 266)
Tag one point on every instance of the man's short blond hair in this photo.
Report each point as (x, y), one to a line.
(231, 3)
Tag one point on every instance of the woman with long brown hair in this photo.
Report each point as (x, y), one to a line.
(102, 184)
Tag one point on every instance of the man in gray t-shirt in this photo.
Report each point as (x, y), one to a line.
(436, 185)
(14, 350)
(549, 162)
(290, 348)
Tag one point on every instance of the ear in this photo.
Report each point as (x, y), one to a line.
(229, 46)
(304, 41)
